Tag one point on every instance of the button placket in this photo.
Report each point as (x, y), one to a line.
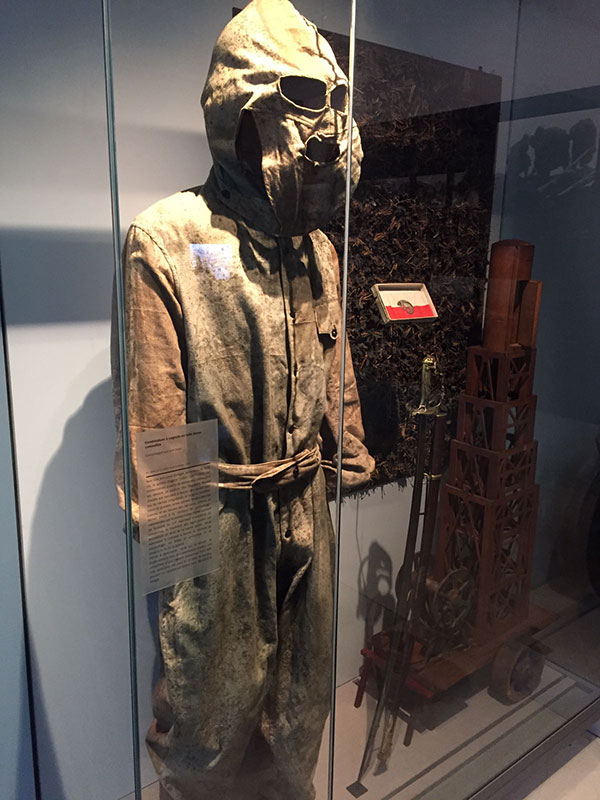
(290, 317)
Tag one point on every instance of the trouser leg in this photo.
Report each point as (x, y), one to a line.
(247, 656)
(298, 700)
(218, 637)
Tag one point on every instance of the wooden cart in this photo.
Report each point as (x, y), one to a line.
(478, 608)
(517, 661)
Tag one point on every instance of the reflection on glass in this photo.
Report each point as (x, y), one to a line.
(232, 310)
(471, 641)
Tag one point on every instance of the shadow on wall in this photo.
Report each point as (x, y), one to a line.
(554, 161)
(77, 590)
(56, 276)
(75, 562)
(376, 601)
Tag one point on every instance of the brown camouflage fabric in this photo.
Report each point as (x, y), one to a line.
(226, 320)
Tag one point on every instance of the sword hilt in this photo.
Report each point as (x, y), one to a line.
(428, 368)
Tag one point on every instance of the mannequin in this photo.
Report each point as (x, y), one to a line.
(232, 312)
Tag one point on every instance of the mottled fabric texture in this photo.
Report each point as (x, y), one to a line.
(301, 186)
(226, 320)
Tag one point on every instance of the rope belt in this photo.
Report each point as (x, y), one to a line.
(270, 475)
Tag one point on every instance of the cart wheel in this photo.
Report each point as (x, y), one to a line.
(516, 671)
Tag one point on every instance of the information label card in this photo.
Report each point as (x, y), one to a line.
(179, 503)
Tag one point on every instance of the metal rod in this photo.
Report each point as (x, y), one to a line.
(419, 593)
(431, 505)
(340, 443)
(27, 637)
(120, 306)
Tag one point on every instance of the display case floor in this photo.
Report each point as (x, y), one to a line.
(474, 737)
(568, 777)
(578, 779)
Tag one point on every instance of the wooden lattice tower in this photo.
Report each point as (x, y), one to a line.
(489, 506)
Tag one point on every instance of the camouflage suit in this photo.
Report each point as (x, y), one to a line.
(232, 312)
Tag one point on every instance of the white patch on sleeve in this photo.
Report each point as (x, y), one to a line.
(216, 258)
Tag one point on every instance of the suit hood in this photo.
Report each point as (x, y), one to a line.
(276, 111)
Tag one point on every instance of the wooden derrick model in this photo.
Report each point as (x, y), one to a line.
(476, 610)
(489, 505)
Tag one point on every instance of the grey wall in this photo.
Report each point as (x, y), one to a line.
(558, 51)
(57, 269)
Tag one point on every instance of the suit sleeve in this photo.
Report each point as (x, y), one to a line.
(357, 463)
(155, 350)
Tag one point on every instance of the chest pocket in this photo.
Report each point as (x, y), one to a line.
(328, 323)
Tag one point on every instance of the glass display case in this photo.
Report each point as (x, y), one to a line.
(351, 250)
(16, 771)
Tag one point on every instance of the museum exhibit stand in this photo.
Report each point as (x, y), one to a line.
(300, 464)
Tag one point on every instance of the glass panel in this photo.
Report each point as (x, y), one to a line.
(57, 267)
(16, 766)
(485, 595)
(232, 312)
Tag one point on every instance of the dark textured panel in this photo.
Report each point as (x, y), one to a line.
(421, 213)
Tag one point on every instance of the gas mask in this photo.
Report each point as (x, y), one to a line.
(276, 110)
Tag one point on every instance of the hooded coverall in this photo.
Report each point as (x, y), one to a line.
(229, 318)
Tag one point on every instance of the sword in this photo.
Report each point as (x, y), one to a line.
(417, 603)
